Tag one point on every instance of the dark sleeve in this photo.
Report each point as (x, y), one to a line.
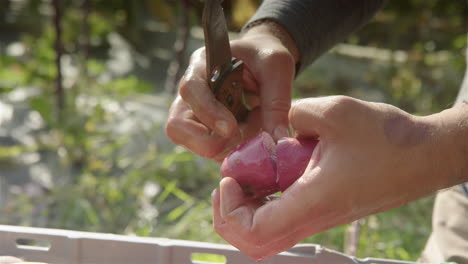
(317, 25)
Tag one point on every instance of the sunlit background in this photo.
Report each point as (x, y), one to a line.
(84, 148)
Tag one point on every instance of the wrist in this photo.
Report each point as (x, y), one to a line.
(273, 29)
(451, 145)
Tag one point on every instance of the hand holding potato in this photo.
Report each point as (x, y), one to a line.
(371, 157)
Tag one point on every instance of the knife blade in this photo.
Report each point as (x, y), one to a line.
(223, 71)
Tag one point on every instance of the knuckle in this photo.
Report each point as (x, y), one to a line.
(190, 90)
(281, 55)
(200, 52)
(343, 100)
(282, 58)
(172, 130)
(208, 147)
(184, 88)
(338, 107)
(297, 108)
(209, 153)
(278, 105)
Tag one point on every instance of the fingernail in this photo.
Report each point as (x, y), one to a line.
(213, 193)
(222, 127)
(280, 132)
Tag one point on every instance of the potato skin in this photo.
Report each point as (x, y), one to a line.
(253, 166)
(262, 168)
(292, 157)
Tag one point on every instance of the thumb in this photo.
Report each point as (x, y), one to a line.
(232, 196)
(273, 69)
(313, 117)
(236, 209)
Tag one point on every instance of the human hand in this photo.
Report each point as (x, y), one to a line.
(370, 157)
(203, 125)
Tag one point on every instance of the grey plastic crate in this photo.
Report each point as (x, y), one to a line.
(72, 247)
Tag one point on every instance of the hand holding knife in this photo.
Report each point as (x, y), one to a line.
(224, 72)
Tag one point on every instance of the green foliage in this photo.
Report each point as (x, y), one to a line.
(422, 25)
(110, 190)
(12, 74)
(44, 107)
(126, 86)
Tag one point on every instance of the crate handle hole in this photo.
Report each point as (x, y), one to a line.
(208, 258)
(33, 244)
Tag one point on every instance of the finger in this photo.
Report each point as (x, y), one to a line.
(232, 199)
(260, 252)
(248, 130)
(215, 201)
(184, 128)
(238, 227)
(196, 93)
(313, 117)
(263, 230)
(221, 226)
(250, 82)
(275, 91)
(298, 208)
(237, 210)
(274, 74)
(312, 227)
(252, 127)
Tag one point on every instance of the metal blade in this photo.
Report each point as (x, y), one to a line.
(218, 51)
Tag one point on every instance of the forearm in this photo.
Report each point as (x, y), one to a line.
(315, 26)
(450, 146)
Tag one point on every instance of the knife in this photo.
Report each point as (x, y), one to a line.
(224, 72)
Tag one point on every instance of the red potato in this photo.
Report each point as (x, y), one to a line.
(261, 168)
(292, 157)
(253, 166)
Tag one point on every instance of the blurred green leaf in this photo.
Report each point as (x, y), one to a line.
(44, 107)
(177, 212)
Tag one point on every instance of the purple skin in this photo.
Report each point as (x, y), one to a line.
(253, 166)
(292, 157)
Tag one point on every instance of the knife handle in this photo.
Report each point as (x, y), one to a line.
(228, 88)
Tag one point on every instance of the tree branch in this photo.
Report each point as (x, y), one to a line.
(174, 71)
(86, 9)
(59, 92)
